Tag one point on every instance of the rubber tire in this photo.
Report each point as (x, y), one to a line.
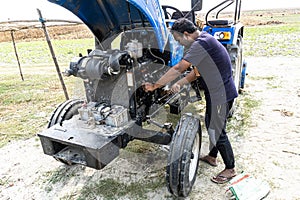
(236, 56)
(186, 139)
(65, 111)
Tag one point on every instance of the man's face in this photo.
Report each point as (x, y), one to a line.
(183, 39)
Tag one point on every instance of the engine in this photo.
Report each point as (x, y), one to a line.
(113, 82)
(98, 65)
(97, 114)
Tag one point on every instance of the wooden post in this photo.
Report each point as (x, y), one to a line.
(16, 53)
(53, 54)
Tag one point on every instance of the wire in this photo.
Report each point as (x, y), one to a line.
(164, 64)
(157, 57)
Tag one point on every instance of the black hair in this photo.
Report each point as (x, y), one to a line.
(182, 25)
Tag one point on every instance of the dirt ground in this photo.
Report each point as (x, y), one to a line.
(269, 150)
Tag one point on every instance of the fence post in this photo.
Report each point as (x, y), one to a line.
(53, 54)
(16, 53)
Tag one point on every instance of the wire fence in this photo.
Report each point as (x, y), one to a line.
(25, 27)
(18, 25)
(29, 30)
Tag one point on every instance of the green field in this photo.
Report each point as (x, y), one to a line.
(25, 106)
(37, 52)
(279, 40)
(278, 36)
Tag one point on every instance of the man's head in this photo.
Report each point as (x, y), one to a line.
(184, 31)
(181, 25)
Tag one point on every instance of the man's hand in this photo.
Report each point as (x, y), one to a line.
(175, 88)
(148, 87)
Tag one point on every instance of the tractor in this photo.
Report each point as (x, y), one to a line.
(116, 110)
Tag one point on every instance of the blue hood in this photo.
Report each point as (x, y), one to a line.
(107, 18)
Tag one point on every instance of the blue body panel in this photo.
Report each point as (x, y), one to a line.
(154, 14)
(213, 30)
(106, 18)
(176, 50)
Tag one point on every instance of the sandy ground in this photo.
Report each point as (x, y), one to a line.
(269, 150)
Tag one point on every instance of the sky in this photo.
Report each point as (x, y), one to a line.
(26, 9)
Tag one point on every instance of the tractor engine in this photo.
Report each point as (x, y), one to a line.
(98, 65)
(113, 82)
(97, 114)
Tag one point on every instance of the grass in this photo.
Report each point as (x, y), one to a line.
(272, 81)
(241, 119)
(37, 52)
(278, 37)
(111, 189)
(267, 78)
(279, 40)
(138, 146)
(4, 181)
(60, 175)
(25, 106)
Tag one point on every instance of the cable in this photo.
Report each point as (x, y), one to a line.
(157, 57)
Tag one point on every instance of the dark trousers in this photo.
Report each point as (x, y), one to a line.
(215, 121)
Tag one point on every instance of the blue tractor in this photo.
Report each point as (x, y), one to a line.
(230, 33)
(133, 46)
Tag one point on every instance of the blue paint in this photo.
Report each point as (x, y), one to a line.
(213, 30)
(108, 18)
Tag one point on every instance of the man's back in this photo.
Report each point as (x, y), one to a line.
(213, 62)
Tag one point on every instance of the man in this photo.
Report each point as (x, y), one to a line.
(211, 61)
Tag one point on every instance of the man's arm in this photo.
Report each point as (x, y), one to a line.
(171, 74)
(185, 80)
(188, 78)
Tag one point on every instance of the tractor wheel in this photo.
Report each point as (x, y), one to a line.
(236, 55)
(183, 157)
(65, 111)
